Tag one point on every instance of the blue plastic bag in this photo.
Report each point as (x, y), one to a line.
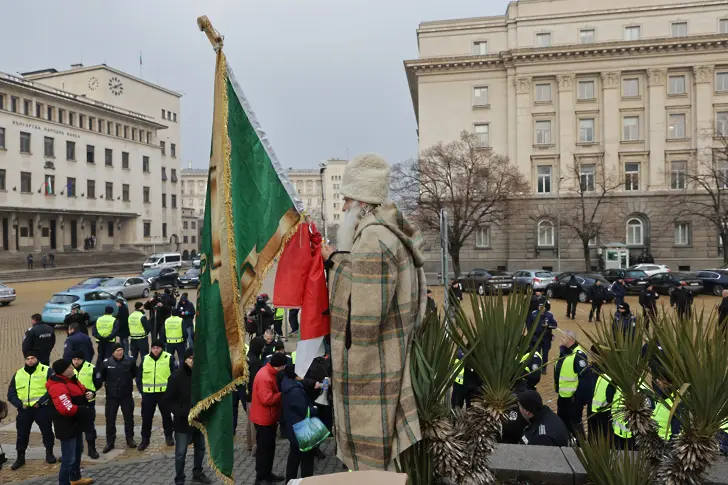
(310, 432)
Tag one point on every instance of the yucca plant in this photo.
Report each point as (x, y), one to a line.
(694, 357)
(606, 466)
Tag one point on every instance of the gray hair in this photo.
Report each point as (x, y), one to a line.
(570, 334)
(269, 331)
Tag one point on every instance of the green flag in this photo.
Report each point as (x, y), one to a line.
(250, 214)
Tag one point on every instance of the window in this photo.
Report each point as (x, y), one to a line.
(110, 233)
(49, 113)
(27, 106)
(109, 124)
(117, 129)
(133, 134)
(30, 227)
(631, 176)
(164, 200)
(193, 225)
(145, 195)
(2, 179)
(543, 174)
(676, 85)
(185, 239)
(633, 32)
(679, 29)
(184, 225)
(174, 175)
(101, 126)
(145, 164)
(543, 93)
(678, 173)
(174, 201)
(163, 146)
(13, 104)
(545, 233)
(630, 88)
(147, 229)
(48, 146)
(125, 192)
(126, 131)
(38, 110)
(480, 96)
(676, 127)
(71, 118)
(71, 187)
(587, 36)
(61, 115)
(586, 130)
(194, 239)
(164, 229)
(109, 157)
(482, 237)
(482, 135)
(480, 48)
(164, 114)
(586, 89)
(173, 150)
(81, 121)
(634, 232)
(71, 150)
(723, 26)
(109, 191)
(543, 132)
(125, 160)
(586, 177)
(721, 123)
(91, 123)
(149, 137)
(543, 40)
(26, 185)
(50, 185)
(682, 234)
(24, 142)
(723, 174)
(631, 128)
(174, 118)
(2, 138)
(91, 189)
(90, 154)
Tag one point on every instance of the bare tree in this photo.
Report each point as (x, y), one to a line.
(704, 188)
(591, 189)
(465, 178)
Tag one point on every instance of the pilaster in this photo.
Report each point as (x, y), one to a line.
(37, 234)
(655, 121)
(524, 124)
(703, 107)
(611, 123)
(60, 234)
(567, 123)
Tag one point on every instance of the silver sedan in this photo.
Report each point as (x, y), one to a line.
(127, 288)
(7, 295)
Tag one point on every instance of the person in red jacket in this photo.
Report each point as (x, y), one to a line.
(265, 412)
(71, 416)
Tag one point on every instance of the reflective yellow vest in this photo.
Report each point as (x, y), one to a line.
(155, 373)
(280, 313)
(599, 400)
(460, 378)
(619, 424)
(104, 326)
(31, 387)
(86, 376)
(661, 415)
(136, 328)
(293, 357)
(524, 360)
(568, 379)
(173, 330)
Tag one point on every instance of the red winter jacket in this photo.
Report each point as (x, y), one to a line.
(265, 408)
(70, 410)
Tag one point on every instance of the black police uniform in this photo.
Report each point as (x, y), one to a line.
(40, 340)
(118, 377)
(82, 318)
(570, 409)
(545, 429)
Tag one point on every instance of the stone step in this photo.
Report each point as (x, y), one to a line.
(38, 453)
(100, 429)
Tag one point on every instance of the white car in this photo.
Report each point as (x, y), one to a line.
(651, 269)
(7, 295)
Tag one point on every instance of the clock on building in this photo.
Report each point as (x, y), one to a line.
(93, 83)
(116, 86)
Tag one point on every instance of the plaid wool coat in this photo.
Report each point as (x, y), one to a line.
(378, 295)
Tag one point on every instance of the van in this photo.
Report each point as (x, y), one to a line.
(163, 260)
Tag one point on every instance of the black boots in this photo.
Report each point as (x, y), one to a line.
(19, 461)
(50, 457)
(109, 446)
(92, 453)
(131, 443)
(143, 445)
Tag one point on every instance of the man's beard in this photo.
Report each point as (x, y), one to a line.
(347, 229)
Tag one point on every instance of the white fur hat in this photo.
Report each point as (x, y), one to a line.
(366, 179)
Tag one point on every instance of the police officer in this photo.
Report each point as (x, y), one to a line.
(85, 371)
(598, 295)
(537, 299)
(648, 302)
(156, 367)
(623, 437)
(27, 392)
(262, 314)
(573, 290)
(619, 289)
(278, 316)
(458, 387)
(187, 312)
(174, 336)
(624, 321)
(544, 427)
(279, 348)
(139, 328)
(531, 376)
(569, 369)
(105, 332)
(600, 409)
(117, 373)
(682, 300)
(78, 341)
(78, 316)
(157, 315)
(39, 339)
(122, 316)
(546, 324)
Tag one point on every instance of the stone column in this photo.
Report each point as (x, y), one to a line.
(524, 125)
(13, 221)
(703, 106)
(117, 235)
(566, 125)
(99, 234)
(655, 121)
(37, 248)
(611, 122)
(60, 234)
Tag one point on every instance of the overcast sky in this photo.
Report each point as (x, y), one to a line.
(325, 77)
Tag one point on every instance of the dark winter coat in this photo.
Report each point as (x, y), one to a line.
(295, 404)
(536, 301)
(573, 289)
(40, 339)
(79, 341)
(619, 290)
(648, 300)
(82, 318)
(122, 316)
(682, 299)
(545, 429)
(69, 409)
(13, 391)
(598, 294)
(178, 397)
(723, 311)
(118, 377)
(187, 312)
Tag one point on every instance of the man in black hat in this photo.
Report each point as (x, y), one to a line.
(139, 328)
(122, 316)
(156, 368)
(39, 339)
(624, 321)
(105, 330)
(78, 316)
(682, 300)
(262, 314)
(544, 427)
(78, 341)
(117, 373)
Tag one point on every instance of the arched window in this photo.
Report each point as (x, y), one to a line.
(635, 232)
(545, 233)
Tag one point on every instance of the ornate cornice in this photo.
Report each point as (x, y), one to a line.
(610, 79)
(566, 82)
(656, 77)
(703, 74)
(522, 84)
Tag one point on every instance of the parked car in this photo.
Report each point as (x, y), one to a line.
(7, 295)
(196, 262)
(665, 282)
(486, 281)
(160, 277)
(538, 279)
(93, 302)
(634, 279)
(651, 269)
(191, 278)
(557, 289)
(90, 283)
(127, 288)
(714, 280)
(163, 260)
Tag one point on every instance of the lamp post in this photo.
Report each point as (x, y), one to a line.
(558, 225)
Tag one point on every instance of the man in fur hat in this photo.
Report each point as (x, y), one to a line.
(377, 297)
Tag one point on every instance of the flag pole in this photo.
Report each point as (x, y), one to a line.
(215, 38)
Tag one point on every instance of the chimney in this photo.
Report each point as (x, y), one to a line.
(76, 66)
(189, 164)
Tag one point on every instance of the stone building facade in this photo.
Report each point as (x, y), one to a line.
(569, 89)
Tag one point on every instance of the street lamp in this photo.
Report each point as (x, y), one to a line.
(558, 225)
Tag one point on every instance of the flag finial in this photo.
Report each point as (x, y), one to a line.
(212, 35)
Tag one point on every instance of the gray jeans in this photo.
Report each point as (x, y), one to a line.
(182, 441)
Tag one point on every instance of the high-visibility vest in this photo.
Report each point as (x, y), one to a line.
(661, 415)
(568, 379)
(155, 373)
(31, 387)
(86, 376)
(104, 326)
(524, 360)
(136, 328)
(280, 313)
(293, 357)
(619, 424)
(460, 378)
(173, 330)
(599, 400)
